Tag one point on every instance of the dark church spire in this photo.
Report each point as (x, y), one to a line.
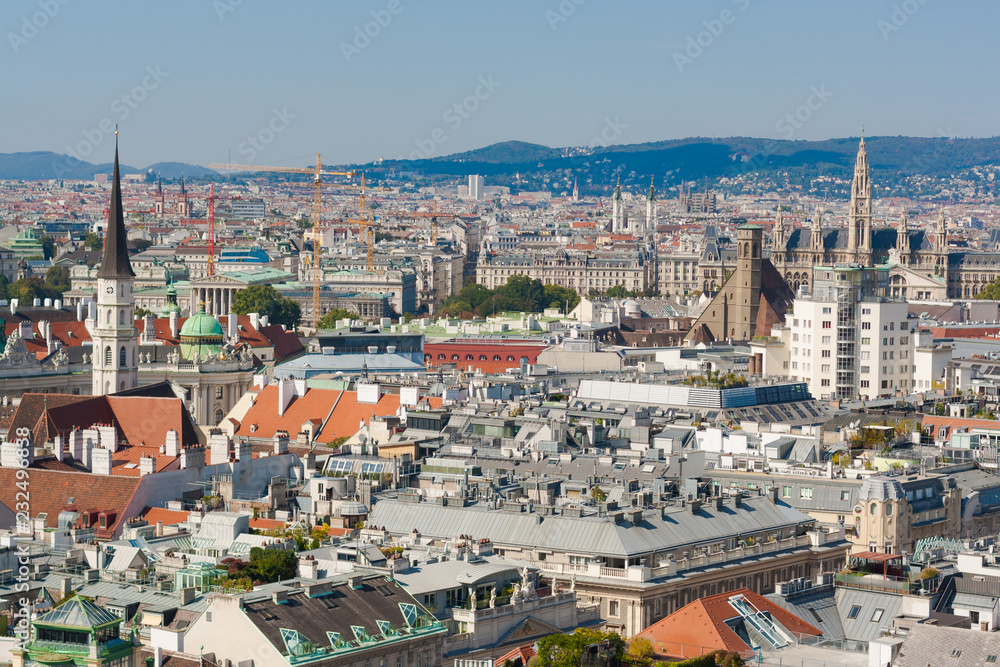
(115, 263)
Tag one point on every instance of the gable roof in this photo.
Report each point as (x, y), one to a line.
(703, 623)
(52, 491)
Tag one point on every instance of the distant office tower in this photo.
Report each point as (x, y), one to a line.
(250, 208)
(476, 187)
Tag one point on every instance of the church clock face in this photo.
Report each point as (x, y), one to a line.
(109, 289)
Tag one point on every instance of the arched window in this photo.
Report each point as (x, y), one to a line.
(874, 509)
(454, 357)
(496, 357)
(121, 317)
(510, 357)
(442, 356)
(107, 356)
(482, 357)
(468, 357)
(122, 358)
(219, 414)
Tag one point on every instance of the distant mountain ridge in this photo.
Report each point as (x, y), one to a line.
(45, 165)
(698, 158)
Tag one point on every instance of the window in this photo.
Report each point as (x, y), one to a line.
(866, 341)
(826, 324)
(121, 358)
(855, 610)
(845, 495)
(866, 325)
(613, 607)
(208, 617)
(866, 354)
(864, 384)
(826, 340)
(874, 509)
(877, 615)
(107, 356)
(825, 382)
(826, 354)
(218, 392)
(866, 311)
(805, 492)
(827, 310)
(786, 492)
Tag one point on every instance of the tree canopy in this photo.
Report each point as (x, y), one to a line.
(329, 320)
(93, 241)
(57, 277)
(519, 294)
(566, 650)
(991, 292)
(265, 300)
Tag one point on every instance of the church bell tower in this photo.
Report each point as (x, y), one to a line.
(116, 342)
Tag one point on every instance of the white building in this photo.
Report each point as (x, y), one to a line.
(475, 187)
(845, 338)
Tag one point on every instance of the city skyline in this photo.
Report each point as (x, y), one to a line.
(213, 81)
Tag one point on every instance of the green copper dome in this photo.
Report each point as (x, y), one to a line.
(171, 305)
(202, 335)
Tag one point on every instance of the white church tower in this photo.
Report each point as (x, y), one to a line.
(619, 217)
(116, 342)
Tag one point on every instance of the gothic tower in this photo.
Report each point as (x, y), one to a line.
(903, 239)
(619, 223)
(651, 208)
(576, 190)
(183, 208)
(859, 217)
(778, 243)
(816, 236)
(158, 201)
(116, 343)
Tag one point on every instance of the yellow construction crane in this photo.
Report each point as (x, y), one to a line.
(317, 231)
(366, 229)
(421, 214)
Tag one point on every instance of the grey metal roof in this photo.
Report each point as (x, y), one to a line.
(934, 645)
(881, 488)
(817, 606)
(444, 575)
(676, 528)
(862, 627)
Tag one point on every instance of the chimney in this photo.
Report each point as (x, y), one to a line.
(695, 506)
(159, 529)
(280, 597)
(255, 320)
(100, 461)
(108, 438)
(187, 595)
(174, 325)
(244, 451)
(148, 328)
(91, 310)
(173, 445)
(66, 586)
(231, 322)
(57, 448)
(219, 449)
(355, 581)
(47, 303)
(738, 501)
(774, 495)
(14, 303)
(79, 311)
(147, 465)
(280, 442)
(192, 457)
(286, 392)
(57, 304)
(719, 503)
(37, 303)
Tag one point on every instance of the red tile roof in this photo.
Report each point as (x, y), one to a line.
(340, 411)
(50, 491)
(953, 424)
(702, 624)
(155, 515)
(266, 524)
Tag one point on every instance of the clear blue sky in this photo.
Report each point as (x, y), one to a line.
(222, 78)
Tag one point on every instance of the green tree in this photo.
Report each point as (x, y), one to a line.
(48, 246)
(329, 320)
(527, 292)
(4, 285)
(640, 649)
(93, 241)
(142, 312)
(557, 296)
(57, 277)
(265, 300)
(26, 290)
(273, 564)
(142, 244)
(566, 650)
(598, 494)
